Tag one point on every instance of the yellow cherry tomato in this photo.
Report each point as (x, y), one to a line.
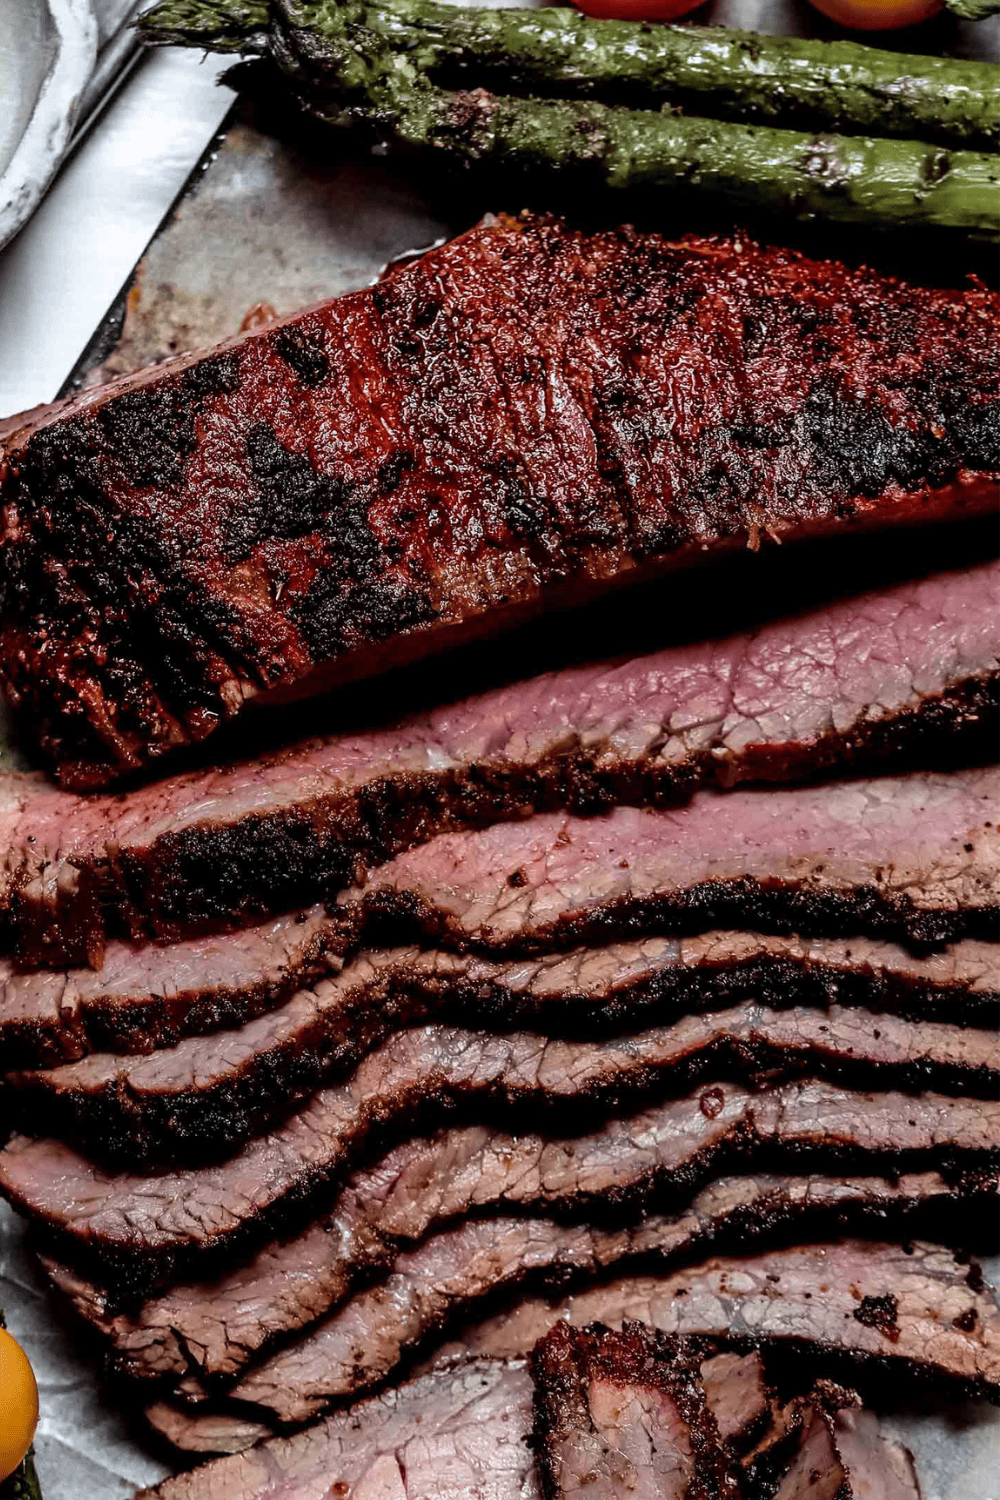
(878, 15)
(18, 1404)
(637, 10)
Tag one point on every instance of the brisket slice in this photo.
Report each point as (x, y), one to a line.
(626, 1414)
(633, 1413)
(138, 1224)
(502, 427)
(455, 1434)
(208, 1095)
(876, 1309)
(216, 1327)
(462, 1431)
(919, 1291)
(760, 1427)
(916, 857)
(841, 1455)
(151, 996)
(270, 832)
(154, 997)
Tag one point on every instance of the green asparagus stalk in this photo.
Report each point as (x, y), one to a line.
(344, 69)
(849, 179)
(841, 86)
(843, 178)
(216, 25)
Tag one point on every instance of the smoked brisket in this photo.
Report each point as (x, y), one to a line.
(915, 1314)
(450, 1435)
(152, 997)
(504, 426)
(841, 1455)
(920, 1291)
(209, 1095)
(274, 831)
(216, 1328)
(464, 1429)
(914, 857)
(625, 1413)
(610, 1422)
(142, 1226)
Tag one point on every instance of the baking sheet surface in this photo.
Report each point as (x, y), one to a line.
(276, 222)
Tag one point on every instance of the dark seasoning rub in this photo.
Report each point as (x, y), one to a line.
(465, 443)
(283, 827)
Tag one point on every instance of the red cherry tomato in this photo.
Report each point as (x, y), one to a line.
(637, 10)
(878, 15)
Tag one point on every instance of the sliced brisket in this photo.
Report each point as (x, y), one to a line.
(153, 997)
(147, 997)
(218, 1327)
(915, 1313)
(609, 1421)
(625, 1414)
(456, 1434)
(915, 856)
(144, 999)
(209, 1095)
(503, 426)
(272, 831)
(841, 1455)
(462, 1431)
(739, 1397)
(919, 1291)
(138, 1223)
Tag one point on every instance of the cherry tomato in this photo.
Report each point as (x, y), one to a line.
(878, 15)
(18, 1404)
(638, 10)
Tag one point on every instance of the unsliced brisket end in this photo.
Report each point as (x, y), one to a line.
(900, 668)
(917, 1313)
(217, 1327)
(209, 1095)
(450, 1435)
(621, 1414)
(503, 426)
(916, 857)
(153, 1222)
(144, 999)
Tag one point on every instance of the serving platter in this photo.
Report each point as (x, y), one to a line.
(278, 215)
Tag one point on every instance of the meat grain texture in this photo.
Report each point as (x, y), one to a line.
(860, 1308)
(888, 673)
(518, 420)
(450, 1435)
(149, 998)
(626, 1413)
(209, 1095)
(150, 1223)
(912, 857)
(216, 1327)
